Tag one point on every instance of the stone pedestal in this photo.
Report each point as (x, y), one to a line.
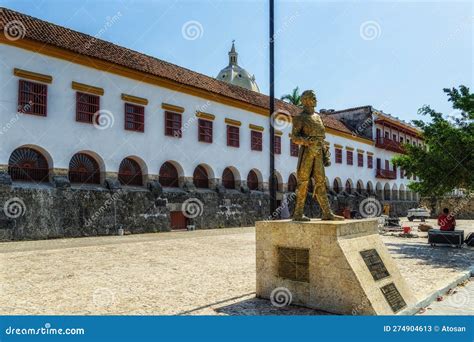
(341, 267)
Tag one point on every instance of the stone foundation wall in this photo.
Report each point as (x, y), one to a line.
(462, 207)
(44, 212)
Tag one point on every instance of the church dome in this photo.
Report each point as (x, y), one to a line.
(234, 74)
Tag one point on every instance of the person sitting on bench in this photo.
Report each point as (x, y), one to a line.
(446, 221)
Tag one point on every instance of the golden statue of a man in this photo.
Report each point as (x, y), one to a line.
(308, 132)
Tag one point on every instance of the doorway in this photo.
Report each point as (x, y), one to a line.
(178, 220)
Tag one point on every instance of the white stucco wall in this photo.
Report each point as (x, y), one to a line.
(61, 136)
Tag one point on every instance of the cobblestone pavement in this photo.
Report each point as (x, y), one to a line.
(204, 272)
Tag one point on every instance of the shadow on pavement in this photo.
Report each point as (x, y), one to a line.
(263, 307)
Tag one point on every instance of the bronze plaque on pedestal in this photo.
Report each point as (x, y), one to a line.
(393, 297)
(375, 264)
(293, 263)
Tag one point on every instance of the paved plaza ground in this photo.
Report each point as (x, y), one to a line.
(204, 272)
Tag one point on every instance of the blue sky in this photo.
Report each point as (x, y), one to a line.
(395, 56)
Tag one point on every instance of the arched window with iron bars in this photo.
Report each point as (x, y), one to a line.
(130, 172)
(252, 180)
(292, 183)
(169, 175)
(228, 179)
(200, 177)
(27, 164)
(84, 169)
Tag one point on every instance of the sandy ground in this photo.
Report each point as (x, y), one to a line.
(204, 272)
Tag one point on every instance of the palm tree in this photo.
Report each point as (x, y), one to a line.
(293, 98)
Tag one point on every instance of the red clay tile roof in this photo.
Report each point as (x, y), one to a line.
(83, 44)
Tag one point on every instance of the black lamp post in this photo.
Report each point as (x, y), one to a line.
(273, 201)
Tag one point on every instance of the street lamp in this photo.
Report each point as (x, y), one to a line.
(273, 202)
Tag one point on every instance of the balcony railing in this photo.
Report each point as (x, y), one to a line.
(389, 144)
(387, 174)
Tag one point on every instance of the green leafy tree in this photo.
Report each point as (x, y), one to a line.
(446, 162)
(293, 98)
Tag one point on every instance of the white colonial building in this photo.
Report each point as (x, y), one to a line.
(78, 107)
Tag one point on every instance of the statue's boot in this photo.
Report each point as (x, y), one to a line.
(332, 217)
(301, 218)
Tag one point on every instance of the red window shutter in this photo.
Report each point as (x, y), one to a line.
(277, 146)
(134, 117)
(173, 124)
(294, 149)
(370, 162)
(32, 98)
(180, 123)
(205, 131)
(233, 136)
(350, 158)
(87, 106)
(256, 140)
(360, 159)
(338, 155)
(168, 124)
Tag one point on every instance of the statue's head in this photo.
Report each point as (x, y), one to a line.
(308, 99)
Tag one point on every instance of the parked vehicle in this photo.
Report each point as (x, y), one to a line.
(418, 213)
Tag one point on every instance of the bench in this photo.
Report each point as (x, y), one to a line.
(446, 237)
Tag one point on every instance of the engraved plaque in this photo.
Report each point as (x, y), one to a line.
(393, 297)
(374, 264)
(293, 263)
